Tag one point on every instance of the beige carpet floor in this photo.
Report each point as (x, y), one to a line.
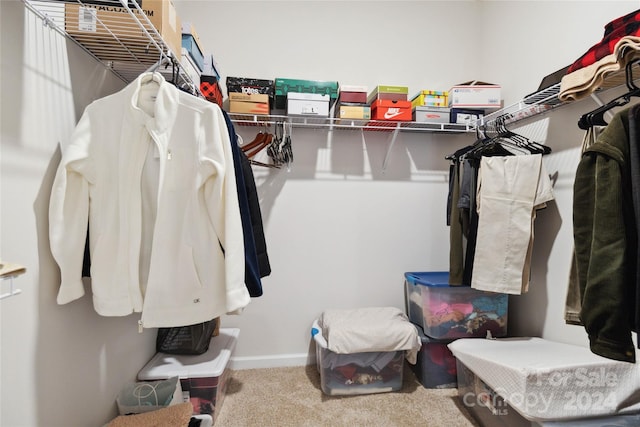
(291, 397)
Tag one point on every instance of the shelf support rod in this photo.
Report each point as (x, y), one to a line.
(394, 135)
(12, 290)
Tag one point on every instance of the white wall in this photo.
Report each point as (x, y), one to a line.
(340, 231)
(59, 365)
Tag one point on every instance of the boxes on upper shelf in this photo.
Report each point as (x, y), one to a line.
(203, 377)
(475, 94)
(466, 116)
(435, 366)
(384, 109)
(352, 111)
(308, 104)
(352, 94)
(284, 86)
(189, 28)
(389, 93)
(211, 67)
(431, 114)
(99, 24)
(446, 312)
(249, 85)
(356, 373)
(190, 67)
(189, 43)
(430, 98)
(248, 103)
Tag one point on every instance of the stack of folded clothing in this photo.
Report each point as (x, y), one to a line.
(619, 46)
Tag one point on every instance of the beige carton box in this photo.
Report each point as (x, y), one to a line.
(104, 29)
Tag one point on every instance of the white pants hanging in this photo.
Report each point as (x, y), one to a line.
(509, 191)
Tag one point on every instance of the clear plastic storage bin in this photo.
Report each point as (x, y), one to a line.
(356, 373)
(446, 312)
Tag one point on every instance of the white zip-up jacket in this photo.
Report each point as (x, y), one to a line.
(151, 170)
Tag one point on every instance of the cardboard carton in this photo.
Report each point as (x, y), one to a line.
(245, 103)
(308, 104)
(467, 116)
(475, 94)
(430, 98)
(284, 86)
(351, 111)
(391, 93)
(431, 114)
(104, 29)
(384, 109)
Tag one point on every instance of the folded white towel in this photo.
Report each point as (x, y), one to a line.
(370, 329)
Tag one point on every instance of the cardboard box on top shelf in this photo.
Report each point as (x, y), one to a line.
(95, 26)
(189, 28)
(475, 94)
(190, 67)
(211, 67)
(386, 109)
(430, 98)
(390, 93)
(250, 85)
(352, 97)
(245, 103)
(353, 94)
(466, 116)
(308, 104)
(189, 43)
(425, 114)
(352, 111)
(323, 87)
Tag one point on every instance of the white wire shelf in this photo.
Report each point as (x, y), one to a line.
(348, 124)
(546, 100)
(126, 42)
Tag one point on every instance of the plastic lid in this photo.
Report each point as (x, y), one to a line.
(428, 278)
(209, 364)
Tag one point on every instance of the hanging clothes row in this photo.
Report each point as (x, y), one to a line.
(496, 185)
(604, 291)
(175, 231)
(276, 145)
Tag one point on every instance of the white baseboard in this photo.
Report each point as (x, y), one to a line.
(272, 361)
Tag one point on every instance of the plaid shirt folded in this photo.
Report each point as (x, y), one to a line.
(627, 25)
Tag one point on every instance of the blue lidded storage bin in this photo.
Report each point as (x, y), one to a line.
(436, 365)
(447, 312)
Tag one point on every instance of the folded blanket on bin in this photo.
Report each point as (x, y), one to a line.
(370, 329)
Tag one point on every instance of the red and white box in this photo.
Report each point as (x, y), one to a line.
(386, 109)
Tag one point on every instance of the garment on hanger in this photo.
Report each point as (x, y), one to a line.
(605, 239)
(251, 218)
(264, 265)
(510, 190)
(573, 301)
(462, 209)
(150, 168)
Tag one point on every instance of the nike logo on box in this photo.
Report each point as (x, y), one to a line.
(392, 112)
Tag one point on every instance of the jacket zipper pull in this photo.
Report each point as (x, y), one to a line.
(169, 155)
(140, 327)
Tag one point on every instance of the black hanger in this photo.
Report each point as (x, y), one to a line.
(596, 117)
(498, 140)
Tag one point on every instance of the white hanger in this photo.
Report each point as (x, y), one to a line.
(151, 77)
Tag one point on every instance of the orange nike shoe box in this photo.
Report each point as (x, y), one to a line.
(386, 109)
